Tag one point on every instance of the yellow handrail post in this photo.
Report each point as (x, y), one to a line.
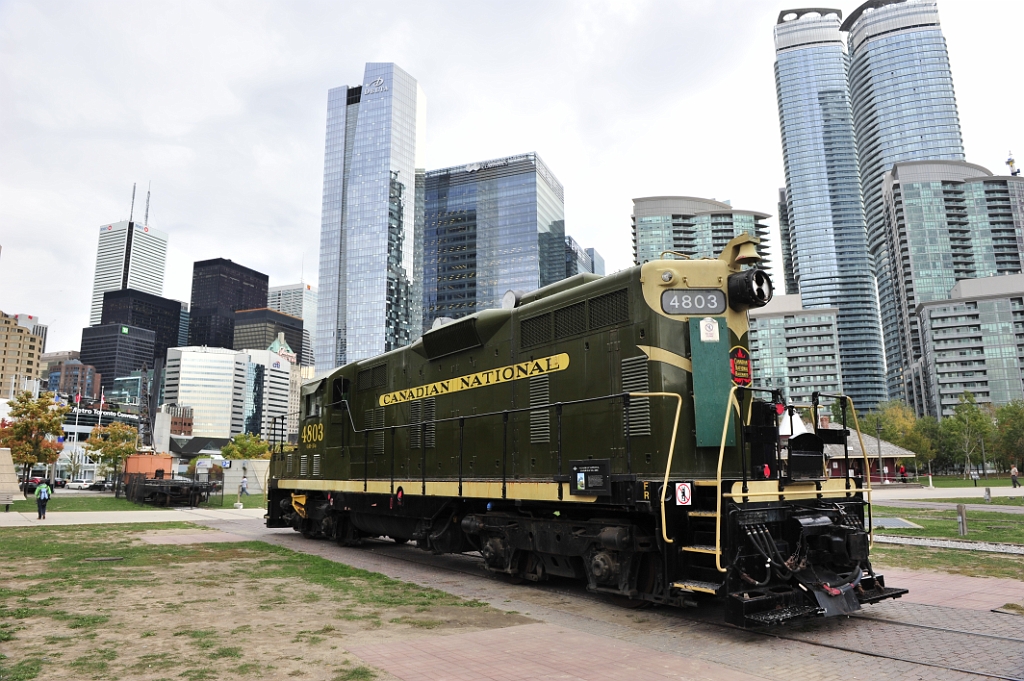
(721, 456)
(671, 451)
(867, 471)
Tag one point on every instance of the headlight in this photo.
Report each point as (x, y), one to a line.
(750, 288)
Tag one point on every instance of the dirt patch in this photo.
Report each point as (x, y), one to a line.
(177, 537)
(206, 611)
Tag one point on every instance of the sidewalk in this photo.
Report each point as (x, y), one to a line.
(880, 493)
(15, 519)
(955, 591)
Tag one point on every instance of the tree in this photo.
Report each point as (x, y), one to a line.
(923, 440)
(966, 428)
(1009, 447)
(114, 443)
(246, 446)
(30, 435)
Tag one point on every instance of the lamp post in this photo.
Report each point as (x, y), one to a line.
(878, 442)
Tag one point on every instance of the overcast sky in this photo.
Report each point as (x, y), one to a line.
(222, 106)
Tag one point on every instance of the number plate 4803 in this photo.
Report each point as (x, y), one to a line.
(693, 301)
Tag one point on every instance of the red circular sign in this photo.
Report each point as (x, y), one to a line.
(739, 365)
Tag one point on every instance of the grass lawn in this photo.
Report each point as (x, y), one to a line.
(97, 602)
(80, 503)
(953, 561)
(981, 526)
(958, 481)
(980, 499)
(251, 501)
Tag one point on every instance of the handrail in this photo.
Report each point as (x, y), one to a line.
(671, 451)
(867, 473)
(721, 456)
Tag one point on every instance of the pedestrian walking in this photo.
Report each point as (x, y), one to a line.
(903, 473)
(43, 493)
(1013, 476)
(244, 489)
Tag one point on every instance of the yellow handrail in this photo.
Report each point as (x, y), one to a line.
(867, 471)
(721, 456)
(671, 451)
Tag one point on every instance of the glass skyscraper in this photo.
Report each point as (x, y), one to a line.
(822, 223)
(904, 109)
(367, 228)
(489, 227)
(129, 255)
(698, 228)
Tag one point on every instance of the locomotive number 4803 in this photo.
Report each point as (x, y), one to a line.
(693, 301)
(314, 432)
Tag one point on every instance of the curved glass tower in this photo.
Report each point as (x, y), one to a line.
(904, 109)
(827, 239)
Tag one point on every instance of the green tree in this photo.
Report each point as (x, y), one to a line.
(923, 440)
(1009, 447)
(246, 446)
(114, 443)
(966, 428)
(31, 434)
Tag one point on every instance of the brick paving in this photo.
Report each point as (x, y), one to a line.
(685, 635)
(955, 591)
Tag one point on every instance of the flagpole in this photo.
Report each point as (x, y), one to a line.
(103, 399)
(77, 453)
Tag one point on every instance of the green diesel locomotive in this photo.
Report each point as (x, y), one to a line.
(601, 428)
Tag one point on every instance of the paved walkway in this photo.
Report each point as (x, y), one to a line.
(939, 506)
(955, 591)
(14, 519)
(883, 493)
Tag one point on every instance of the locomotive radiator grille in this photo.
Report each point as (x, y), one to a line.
(304, 464)
(634, 380)
(316, 464)
(420, 411)
(535, 331)
(290, 463)
(540, 420)
(374, 418)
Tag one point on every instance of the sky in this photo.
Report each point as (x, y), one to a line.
(220, 107)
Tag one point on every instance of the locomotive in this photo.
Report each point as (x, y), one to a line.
(603, 429)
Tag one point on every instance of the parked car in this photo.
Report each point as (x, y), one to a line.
(101, 485)
(60, 482)
(79, 484)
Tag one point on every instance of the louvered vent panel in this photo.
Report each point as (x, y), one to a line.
(380, 376)
(304, 465)
(535, 331)
(429, 414)
(416, 417)
(377, 436)
(540, 420)
(316, 464)
(290, 463)
(634, 379)
(571, 320)
(451, 338)
(609, 309)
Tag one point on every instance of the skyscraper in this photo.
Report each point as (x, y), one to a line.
(298, 300)
(212, 381)
(904, 109)
(160, 315)
(698, 228)
(257, 329)
(945, 221)
(219, 288)
(597, 261)
(824, 240)
(31, 322)
(130, 255)
(489, 227)
(116, 350)
(367, 229)
(577, 258)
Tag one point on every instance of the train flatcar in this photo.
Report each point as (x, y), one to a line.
(603, 429)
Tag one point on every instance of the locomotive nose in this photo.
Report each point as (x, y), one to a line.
(750, 288)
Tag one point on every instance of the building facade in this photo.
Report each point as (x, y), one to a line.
(160, 315)
(71, 377)
(21, 367)
(904, 109)
(597, 260)
(298, 300)
(945, 221)
(212, 381)
(698, 228)
(220, 288)
(796, 349)
(259, 328)
(117, 350)
(130, 255)
(374, 133)
(31, 322)
(489, 227)
(267, 393)
(973, 342)
(577, 260)
(824, 235)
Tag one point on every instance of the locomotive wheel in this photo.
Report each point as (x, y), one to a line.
(646, 578)
(308, 530)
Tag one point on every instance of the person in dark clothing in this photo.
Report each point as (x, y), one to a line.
(43, 493)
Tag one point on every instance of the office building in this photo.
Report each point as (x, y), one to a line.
(904, 109)
(71, 377)
(21, 367)
(220, 288)
(31, 322)
(697, 228)
(489, 227)
(130, 255)
(170, 419)
(375, 132)
(597, 260)
(117, 350)
(298, 300)
(212, 381)
(795, 349)
(259, 328)
(824, 237)
(299, 374)
(267, 394)
(578, 259)
(183, 325)
(973, 342)
(160, 315)
(944, 221)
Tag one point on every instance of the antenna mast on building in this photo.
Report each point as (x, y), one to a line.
(131, 213)
(148, 191)
(1013, 167)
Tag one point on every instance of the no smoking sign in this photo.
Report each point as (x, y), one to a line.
(683, 496)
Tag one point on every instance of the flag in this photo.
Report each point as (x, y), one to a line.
(78, 398)
(103, 400)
